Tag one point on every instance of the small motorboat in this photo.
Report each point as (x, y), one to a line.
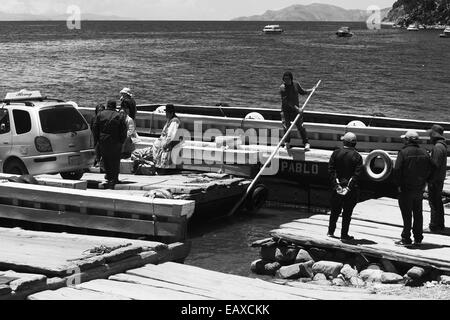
(273, 29)
(446, 33)
(412, 27)
(344, 32)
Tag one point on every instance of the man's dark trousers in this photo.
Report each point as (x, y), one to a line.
(111, 157)
(410, 202)
(437, 220)
(287, 118)
(344, 204)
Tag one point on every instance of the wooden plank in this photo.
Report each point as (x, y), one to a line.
(79, 220)
(74, 294)
(137, 291)
(25, 281)
(49, 180)
(96, 199)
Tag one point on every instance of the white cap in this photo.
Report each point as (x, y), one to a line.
(410, 135)
(126, 91)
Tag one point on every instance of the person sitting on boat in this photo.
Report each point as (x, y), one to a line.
(413, 169)
(289, 91)
(345, 168)
(160, 153)
(127, 100)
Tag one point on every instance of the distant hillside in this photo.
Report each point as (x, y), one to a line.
(426, 12)
(62, 17)
(313, 12)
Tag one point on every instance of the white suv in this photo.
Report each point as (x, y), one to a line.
(43, 136)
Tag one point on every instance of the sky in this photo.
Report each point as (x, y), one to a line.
(173, 9)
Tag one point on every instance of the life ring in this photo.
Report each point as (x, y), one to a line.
(388, 165)
(161, 110)
(254, 116)
(256, 198)
(356, 123)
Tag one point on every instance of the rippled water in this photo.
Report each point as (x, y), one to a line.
(399, 73)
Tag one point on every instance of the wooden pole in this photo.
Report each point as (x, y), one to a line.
(255, 180)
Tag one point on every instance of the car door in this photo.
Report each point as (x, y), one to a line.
(5, 135)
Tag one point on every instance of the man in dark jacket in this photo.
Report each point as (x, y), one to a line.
(127, 101)
(345, 169)
(110, 131)
(289, 91)
(413, 168)
(436, 185)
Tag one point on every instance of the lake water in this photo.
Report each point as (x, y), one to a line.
(399, 73)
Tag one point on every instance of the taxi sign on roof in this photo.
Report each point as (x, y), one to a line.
(23, 95)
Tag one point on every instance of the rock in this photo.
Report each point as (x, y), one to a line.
(289, 272)
(320, 277)
(258, 266)
(305, 280)
(305, 269)
(339, 282)
(285, 255)
(269, 242)
(328, 268)
(444, 280)
(409, 282)
(388, 266)
(318, 254)
(373, 266)
(303, 256)
(391, 278)
(348, 272)
(416, 273)
(371, 275)
(271, 268)
(357, 282)
(322, 282)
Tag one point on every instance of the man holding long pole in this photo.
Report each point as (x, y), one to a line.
(288, 132)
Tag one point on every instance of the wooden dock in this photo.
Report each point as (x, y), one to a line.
(376, 225)
(173, 281)
(37, 261)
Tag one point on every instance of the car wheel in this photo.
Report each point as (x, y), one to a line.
(72, 175)
(15, 167)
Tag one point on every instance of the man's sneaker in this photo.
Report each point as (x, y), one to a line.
(347, 238)
(403, 243)
(307, 147)
(417, 242)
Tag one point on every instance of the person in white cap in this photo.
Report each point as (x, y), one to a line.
(127, 101)
(345, 168)
(412, 170)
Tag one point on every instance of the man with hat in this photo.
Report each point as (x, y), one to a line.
(127, 101)
(436, 185)
(344, 168)
(412, 170)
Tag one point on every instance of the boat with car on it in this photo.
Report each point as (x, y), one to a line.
(344, 32)
(446, 33)
(412, 27)
(273, 29)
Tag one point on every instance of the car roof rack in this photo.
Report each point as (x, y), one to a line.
(27, 97)
(28, 101)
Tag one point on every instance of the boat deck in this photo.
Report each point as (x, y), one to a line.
(172, 281)
(36, 261)
(376, 225)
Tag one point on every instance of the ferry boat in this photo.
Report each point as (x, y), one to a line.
(273, 29)
(412, 27)
(344, 32)
(446, 33)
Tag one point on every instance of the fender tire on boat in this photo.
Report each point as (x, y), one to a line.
(256, 198)
(388, 165)
(254, 116)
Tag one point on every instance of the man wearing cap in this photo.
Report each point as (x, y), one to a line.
(413, 168)
(127, 101)
(110, 131)
(436, 185)
(344, 168)
(289, 91)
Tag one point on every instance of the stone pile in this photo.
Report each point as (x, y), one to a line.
(336, 267)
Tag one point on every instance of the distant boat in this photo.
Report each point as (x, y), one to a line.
(344, 32)
(446, 33)
(273, 29)
(412, 27)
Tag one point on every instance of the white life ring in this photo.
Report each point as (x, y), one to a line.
(388, 165)
(356, 123)
(161, 110)
(254, 116)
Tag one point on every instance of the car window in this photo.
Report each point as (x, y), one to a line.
(22, 121)
(4, 121)
(62, 119)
